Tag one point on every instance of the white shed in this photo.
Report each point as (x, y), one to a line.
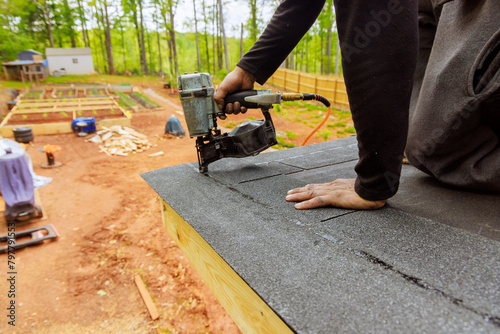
(70, 60)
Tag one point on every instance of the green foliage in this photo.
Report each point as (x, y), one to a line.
(290, 134)
(147, 99)
(350, 130)
(324, 134)
(282, 144)
(336, 125)
(125, 101)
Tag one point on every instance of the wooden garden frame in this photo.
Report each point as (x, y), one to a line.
(61, 105)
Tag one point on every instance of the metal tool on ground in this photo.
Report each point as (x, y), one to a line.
(51, 150)
(247, 139)
(38, 235)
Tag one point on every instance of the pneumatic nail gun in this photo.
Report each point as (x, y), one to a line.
(247, 139)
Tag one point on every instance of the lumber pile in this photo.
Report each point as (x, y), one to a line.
(120, 140)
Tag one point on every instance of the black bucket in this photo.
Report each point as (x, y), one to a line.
(23, 135)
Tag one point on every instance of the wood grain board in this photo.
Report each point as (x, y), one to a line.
(246, 308)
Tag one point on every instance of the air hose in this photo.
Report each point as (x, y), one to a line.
(305, 97)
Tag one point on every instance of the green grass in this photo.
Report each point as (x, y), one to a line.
(147, 99)
(282, 144)
(337, 125)
(290, 134)
(350, 130)
(324, 134)
(11, 84)
(126, 101)
(305, 106)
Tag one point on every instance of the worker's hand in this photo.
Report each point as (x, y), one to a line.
(339, 193)
(238, 79)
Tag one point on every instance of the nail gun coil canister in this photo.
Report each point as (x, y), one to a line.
(196, 92)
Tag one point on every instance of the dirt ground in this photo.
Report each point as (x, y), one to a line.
(110, 230)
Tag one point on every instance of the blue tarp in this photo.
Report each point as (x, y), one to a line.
(27, 62)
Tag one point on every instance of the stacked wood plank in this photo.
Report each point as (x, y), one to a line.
(120, 140)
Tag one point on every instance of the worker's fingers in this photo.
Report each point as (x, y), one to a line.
(236, 108)
(229, 108)
(315, 202)
(306, 194)
(219, 95)
(339, 193)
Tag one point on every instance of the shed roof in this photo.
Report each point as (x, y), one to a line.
(68, 51)
(32, 51)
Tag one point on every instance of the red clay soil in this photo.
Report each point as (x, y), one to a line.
(111, 229)
(110, 225)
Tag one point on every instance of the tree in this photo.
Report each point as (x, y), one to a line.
(109, 47)
(252, 21)
(143, 47)
(223, 34)
(83, 20)
(44, 6)
(155, 18)
(69, 22)
(196, 34)
(205, 20)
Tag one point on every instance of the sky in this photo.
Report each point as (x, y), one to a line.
(235, 13)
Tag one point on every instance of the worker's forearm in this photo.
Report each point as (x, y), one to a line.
(288, 25)
(379, 51)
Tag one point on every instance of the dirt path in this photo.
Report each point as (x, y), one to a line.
(110, 226)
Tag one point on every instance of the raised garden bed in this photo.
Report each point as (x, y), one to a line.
(65, 93)
(145, 101)
(34, 94)
(96, 92)
(63, 116)
(126, 101)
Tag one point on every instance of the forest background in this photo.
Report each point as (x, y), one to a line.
(160, 37)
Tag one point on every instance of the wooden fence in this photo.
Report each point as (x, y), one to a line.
(331, 87)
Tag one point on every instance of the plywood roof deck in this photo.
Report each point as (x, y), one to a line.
(428, 262)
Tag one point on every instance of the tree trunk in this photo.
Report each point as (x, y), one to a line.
(196, 35)
(81, 13)
(95, 52)
(217, 21)
(206, 37)
(321, 56)
(151, 60)
(143, 45)
(158, 40)
(69, 23)
(223, 35)
(241, 42)
(99, 22)
(214, 37)
(138, 35)
(170, 60)
(253, 20)
(48, 22)
(123, 49)
(337, 57)
(109, 46)
(172, 38)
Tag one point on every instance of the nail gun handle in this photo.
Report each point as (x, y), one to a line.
(240, 97)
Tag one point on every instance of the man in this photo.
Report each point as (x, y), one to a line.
(379, 42)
